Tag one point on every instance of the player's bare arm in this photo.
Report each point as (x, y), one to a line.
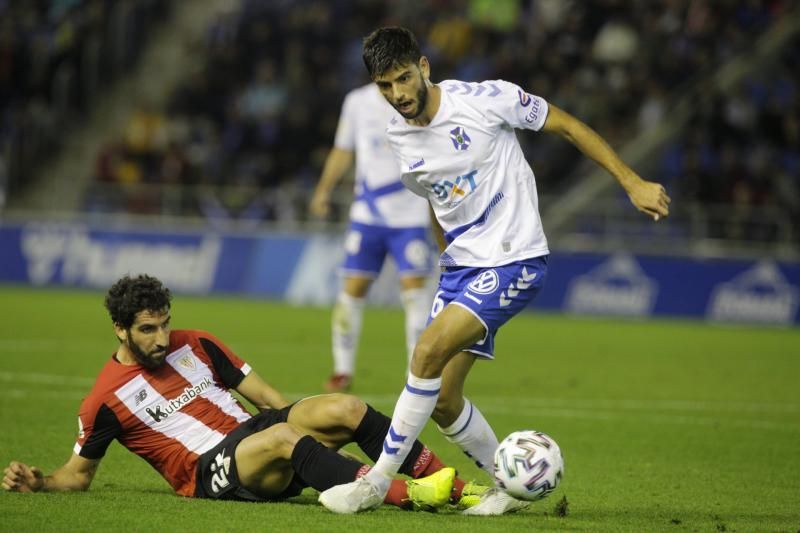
(260, 394)
(648, 197)
(75, 475)
(337, 163)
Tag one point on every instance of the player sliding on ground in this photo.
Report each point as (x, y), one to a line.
(166, 396)
(456, 145)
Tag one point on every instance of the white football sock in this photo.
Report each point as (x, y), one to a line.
(472, 433)
(346, 329)
(411, 413)
(417, 306)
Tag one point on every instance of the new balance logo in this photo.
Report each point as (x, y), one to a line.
(160, 412)
(140, 396)
(524, 281)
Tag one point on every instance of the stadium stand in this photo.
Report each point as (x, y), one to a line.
(55, 58)
(244, 136)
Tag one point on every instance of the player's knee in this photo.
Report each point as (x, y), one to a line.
(345, 410)
(280, 439)
(428, 360)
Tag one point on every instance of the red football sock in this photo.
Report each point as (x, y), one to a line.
(426, 464)
(429, 463)
(398, 494)
(458, 487)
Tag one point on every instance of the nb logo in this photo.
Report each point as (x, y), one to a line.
(140, 396)
(485, 283)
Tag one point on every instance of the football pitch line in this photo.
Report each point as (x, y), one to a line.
(646, 411)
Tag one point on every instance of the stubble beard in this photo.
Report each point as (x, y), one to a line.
(145, 359)
(422, 101)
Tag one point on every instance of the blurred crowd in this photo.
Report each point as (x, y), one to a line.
(55, 57)
(741, 152)
(250, 129)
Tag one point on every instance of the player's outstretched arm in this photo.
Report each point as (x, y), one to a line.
(337, 163)
(76, 474)
(648, 197)
(260, 394)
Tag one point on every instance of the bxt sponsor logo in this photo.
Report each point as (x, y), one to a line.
(616, 287)
(760, 294)
(455, 190)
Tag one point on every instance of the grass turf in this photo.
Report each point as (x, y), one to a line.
(664, 425)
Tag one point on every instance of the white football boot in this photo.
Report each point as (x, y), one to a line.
(359, 495)
(496, 502)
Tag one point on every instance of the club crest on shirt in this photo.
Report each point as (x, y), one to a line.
(461, 140)
(187, 361)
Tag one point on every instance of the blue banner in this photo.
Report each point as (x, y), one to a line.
(303, 269)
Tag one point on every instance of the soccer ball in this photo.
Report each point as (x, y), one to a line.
(528, 465)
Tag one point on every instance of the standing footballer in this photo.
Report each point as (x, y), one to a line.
(457, 147)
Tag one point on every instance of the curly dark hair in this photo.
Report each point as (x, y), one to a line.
(388, 48)
(129, 296)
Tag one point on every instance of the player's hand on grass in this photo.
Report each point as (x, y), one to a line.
(650, 198)
(19, 477)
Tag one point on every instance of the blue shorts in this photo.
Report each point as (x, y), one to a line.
(367, 247)
(492, 294)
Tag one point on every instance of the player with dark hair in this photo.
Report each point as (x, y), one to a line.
(456, 146)
(166, 396)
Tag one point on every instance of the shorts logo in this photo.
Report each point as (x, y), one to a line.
(220, 468)
(461, 140)
(524, 99)
(523, 282)
(486, 282)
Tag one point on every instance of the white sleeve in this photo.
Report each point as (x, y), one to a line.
(346, 129)
(509, 104)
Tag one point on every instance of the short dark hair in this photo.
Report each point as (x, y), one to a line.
(388, 48)
(130, 296)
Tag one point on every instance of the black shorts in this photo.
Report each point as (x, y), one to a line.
(217, 476)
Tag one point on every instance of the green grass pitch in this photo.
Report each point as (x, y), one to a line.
(664, 425)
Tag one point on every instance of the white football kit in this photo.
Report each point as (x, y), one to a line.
(380, 197)
(468, 163)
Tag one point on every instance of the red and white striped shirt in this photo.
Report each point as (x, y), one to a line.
(170, 415)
